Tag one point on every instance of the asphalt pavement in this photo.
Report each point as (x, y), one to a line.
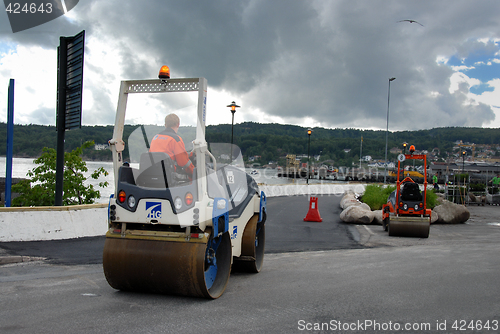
(286, 231)
(451, 287)
(326, 277)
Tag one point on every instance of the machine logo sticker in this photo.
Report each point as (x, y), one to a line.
(153, 209)
(235, 232)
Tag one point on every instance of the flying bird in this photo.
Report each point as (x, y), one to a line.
(411, 21)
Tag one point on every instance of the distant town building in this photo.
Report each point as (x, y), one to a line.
(396, 150)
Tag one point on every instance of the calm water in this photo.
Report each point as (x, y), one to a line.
(21, 166)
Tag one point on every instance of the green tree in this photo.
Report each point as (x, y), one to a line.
(39, 189)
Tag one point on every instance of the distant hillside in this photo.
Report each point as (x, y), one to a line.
(270, 141)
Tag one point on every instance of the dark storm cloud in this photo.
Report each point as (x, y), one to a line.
(328, 60)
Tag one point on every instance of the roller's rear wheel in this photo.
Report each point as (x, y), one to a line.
(252, 246)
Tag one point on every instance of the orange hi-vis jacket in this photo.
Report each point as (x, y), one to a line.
(169, 142)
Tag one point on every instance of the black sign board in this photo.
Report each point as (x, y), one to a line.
(69, 98)
(70, 80)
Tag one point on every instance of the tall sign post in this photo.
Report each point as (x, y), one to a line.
(69, 98)
(10, 144)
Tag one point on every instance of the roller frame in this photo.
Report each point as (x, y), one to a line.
(140, 254)
(409, 222)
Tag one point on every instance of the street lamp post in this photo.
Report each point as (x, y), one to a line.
(404, 153)
(360, 152)
(387, 129)
(463, 162)
(309, 131)
(233, 107)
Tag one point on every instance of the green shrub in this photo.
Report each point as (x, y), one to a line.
(477, 186)
(376, 195)
(39, 188)
(431, 199)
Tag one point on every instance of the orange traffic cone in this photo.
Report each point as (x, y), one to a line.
(313, 213)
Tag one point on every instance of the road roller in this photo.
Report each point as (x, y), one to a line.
(405, 214)
(172, 232)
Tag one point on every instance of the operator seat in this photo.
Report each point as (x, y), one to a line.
(411, 192)
(155, 170)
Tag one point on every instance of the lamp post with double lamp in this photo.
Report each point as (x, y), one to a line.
(233, 107)
(387, 129)
(309, 131)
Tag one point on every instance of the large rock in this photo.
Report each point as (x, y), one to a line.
(434, 216)
(451, 213)
(355, 211)
(348, 200)
(377, 217)
(480, 199)
(357, 214)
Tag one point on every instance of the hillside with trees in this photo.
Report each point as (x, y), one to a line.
(268, 142)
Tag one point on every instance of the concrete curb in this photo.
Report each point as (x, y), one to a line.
(54, 208)
(10, 259)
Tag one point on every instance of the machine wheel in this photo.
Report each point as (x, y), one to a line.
(217, 265)
(171, 267)
(252, 246)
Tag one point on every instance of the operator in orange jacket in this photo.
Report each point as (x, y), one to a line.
(170, 142)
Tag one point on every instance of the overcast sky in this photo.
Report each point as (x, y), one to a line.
(311, 63)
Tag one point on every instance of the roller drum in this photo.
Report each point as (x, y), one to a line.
(169, 267)
(409, 228)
